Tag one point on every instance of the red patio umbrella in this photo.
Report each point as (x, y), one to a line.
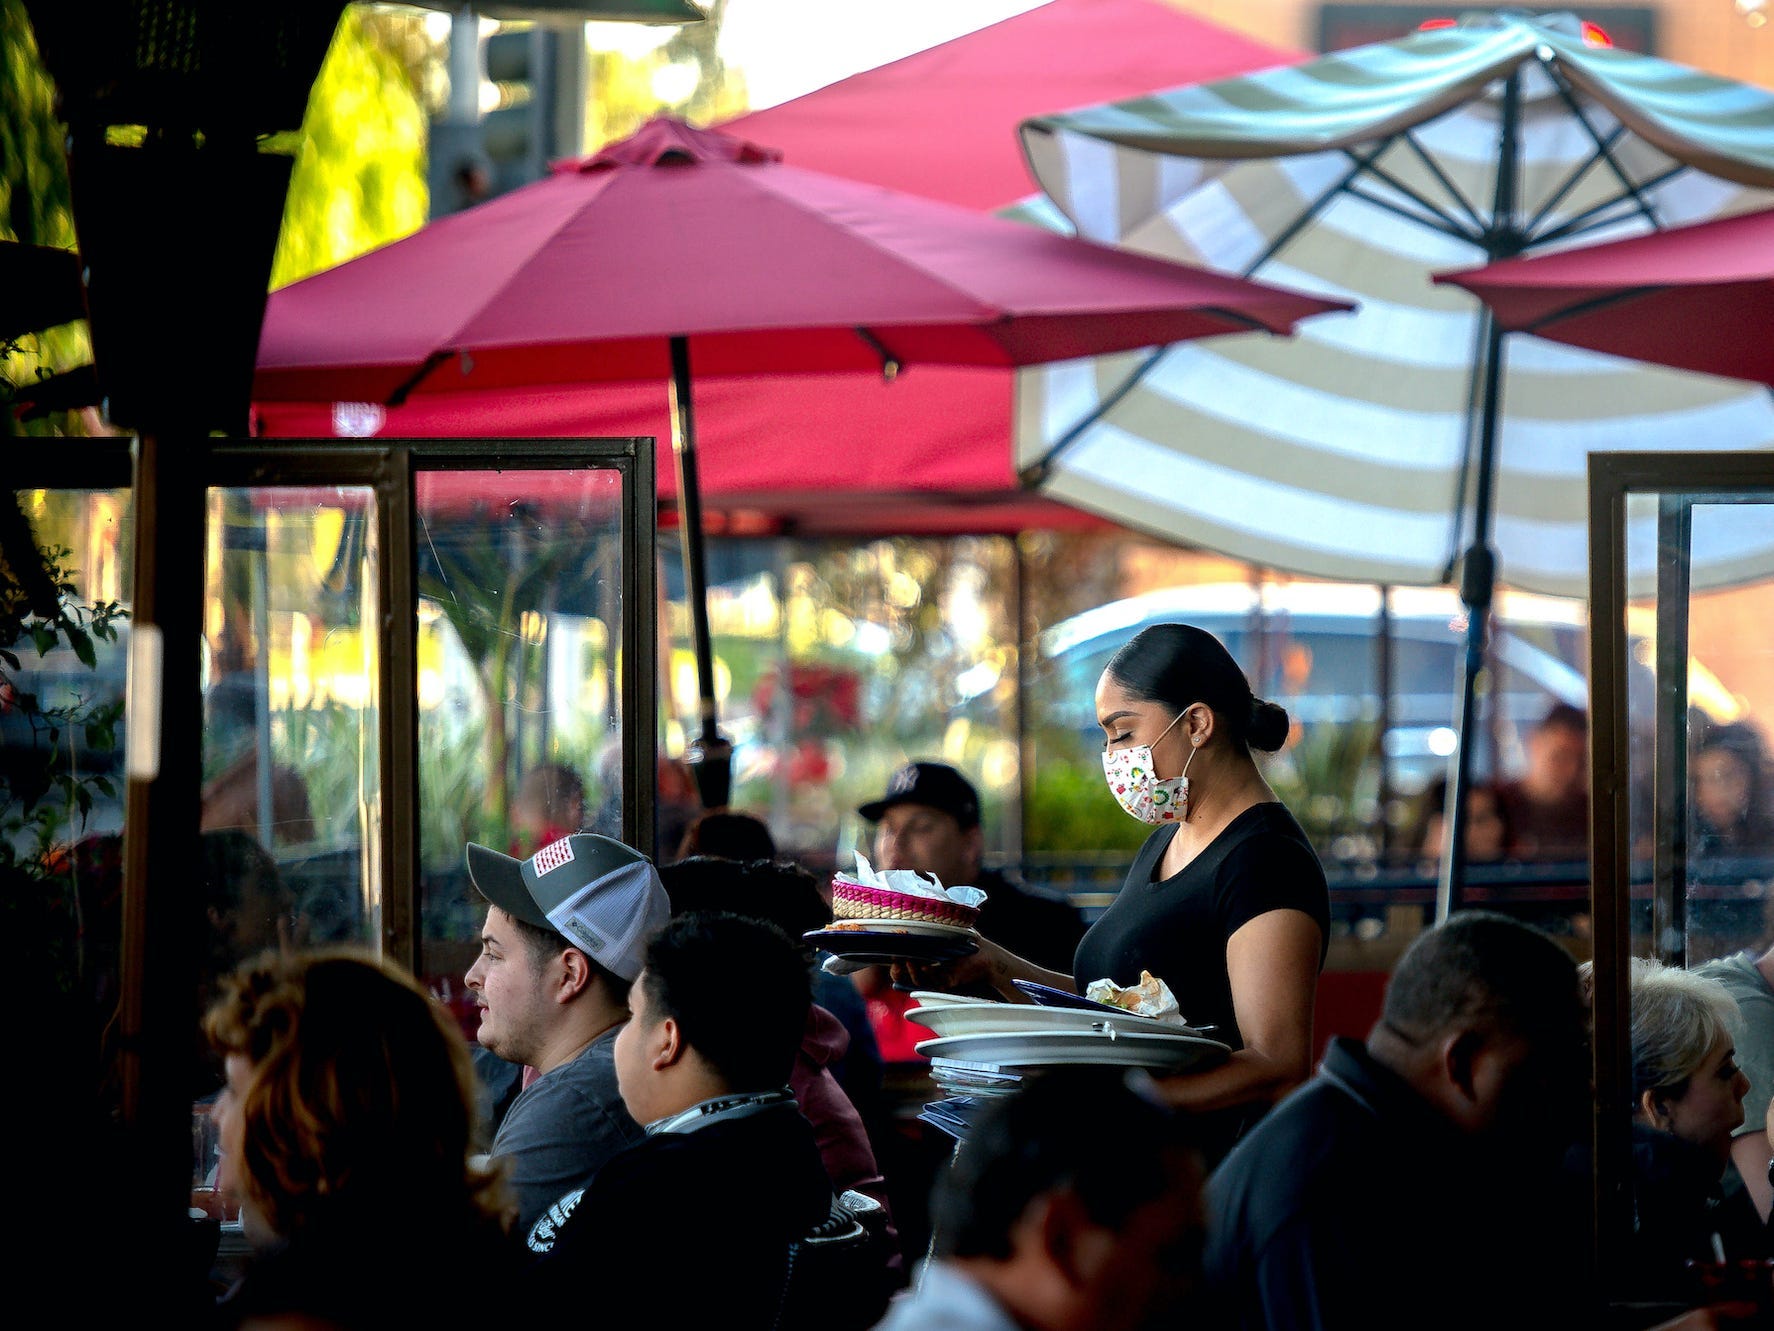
(842, 453)
(1697, 297)
(679, 244)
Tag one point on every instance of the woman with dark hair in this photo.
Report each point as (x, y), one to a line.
(346, 1136)
(1488, 839)
(1733, 815)
(1226, 902)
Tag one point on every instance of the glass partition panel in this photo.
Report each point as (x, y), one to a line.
(1685, 827)
(62, 672)
(519, 577)
(291, 799)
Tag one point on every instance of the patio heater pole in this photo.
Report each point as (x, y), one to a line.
(709, 755)
(1478, 567)
(205, 82)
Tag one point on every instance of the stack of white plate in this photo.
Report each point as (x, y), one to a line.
(987, 1039)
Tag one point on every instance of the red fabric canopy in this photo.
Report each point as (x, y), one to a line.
(1697, 297)
(847, 452)
(698, 235)
(943, 122)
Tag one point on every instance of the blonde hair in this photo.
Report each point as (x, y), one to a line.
(362, 1096)
(1678, 1019)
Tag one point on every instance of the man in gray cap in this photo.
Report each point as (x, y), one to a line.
(564, 937)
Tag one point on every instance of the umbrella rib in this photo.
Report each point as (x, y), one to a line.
(412, 381)
(1590, 306)
(1575, 174)
(1604, 150)
(1590, 218)
(890, 364)
(1435, 221)
(1312, 209)
(1036, 472)
(1454, 191)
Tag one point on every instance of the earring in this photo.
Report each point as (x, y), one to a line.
(1183, 783)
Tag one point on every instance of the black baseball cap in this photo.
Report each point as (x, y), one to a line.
(935, 786)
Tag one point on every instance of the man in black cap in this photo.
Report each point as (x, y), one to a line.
(928, 820)
(565, 935)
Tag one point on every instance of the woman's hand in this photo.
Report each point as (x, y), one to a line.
(947, 977)
(987, 972)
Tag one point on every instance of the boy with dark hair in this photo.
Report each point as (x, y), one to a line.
(711, 1212)
(788, 896)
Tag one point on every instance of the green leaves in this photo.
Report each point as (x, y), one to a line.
(46, 788)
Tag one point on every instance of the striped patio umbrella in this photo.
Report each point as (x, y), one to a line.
(1390, 445)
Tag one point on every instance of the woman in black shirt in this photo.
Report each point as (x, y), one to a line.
(1227, 901)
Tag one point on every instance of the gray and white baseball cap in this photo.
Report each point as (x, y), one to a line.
(600, 895)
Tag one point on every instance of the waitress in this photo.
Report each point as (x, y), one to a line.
(1226, 901)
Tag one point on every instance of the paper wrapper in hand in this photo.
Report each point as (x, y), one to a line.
(1151, 997)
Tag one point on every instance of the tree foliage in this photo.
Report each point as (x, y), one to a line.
(35, 206)
(34, 201)
(625, 88)
(44, 793)
(359, 178)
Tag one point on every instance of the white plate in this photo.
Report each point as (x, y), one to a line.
(896, 926)
(929, 998)
(978, 1018)
(1013, 1050)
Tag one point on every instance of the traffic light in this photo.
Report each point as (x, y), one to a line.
(517, 134)
(515, 73)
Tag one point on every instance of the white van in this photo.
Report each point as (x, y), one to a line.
(1314, 648)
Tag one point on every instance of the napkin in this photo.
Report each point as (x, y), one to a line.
(1151, 997)
(913, 884)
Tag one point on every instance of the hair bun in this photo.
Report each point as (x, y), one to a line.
(1268, 726)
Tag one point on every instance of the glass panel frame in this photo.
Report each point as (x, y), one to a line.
(390, 466)
(1677, 483)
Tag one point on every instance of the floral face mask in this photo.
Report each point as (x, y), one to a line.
(1138, 790)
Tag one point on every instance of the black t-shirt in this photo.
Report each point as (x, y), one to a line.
(1177, 927)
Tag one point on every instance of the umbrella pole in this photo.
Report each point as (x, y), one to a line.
(1478, 578)
(1478, 568)
(709, 755)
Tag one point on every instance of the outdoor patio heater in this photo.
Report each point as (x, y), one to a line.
(170, 108)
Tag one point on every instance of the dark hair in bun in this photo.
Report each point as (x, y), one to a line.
(1179, 664)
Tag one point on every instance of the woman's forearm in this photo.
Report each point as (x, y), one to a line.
(1007, 967)
(1247, 1077)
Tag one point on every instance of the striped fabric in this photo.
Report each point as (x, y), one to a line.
(1349, 450)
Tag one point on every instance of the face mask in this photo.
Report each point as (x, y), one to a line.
(1139, 791)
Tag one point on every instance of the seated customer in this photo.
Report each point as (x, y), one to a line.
(1487, 826)
(1402, 1185)
(561, 943)
(1073, 1204)
(1748, 976)
(1687, 1099)
(345, 1128)
(1548, 805)
(730, 834)
(704, 1215)
(788, 896)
